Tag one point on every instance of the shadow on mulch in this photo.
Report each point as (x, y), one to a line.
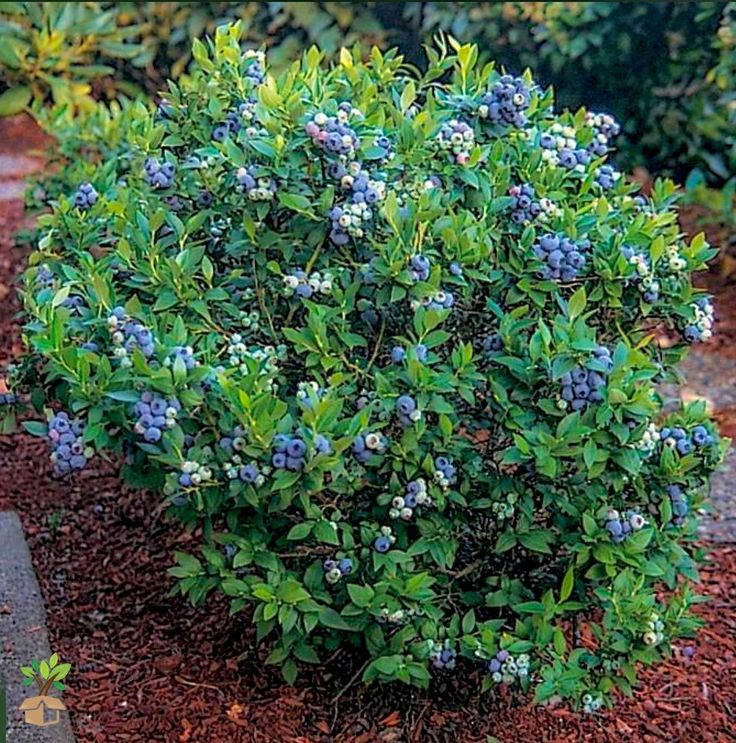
(149, 668)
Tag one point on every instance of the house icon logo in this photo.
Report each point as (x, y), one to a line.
(43, 710)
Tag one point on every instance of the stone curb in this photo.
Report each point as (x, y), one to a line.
(23, 635)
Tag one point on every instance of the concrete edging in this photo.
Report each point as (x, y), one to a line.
(23, 635)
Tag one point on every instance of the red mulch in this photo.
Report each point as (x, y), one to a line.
(147, 667)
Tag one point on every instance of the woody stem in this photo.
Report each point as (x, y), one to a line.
(47, 685)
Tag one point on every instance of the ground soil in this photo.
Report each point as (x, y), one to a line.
(147, 667)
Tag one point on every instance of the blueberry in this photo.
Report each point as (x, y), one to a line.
(280, 442)
(397, 354)
(248, 473)
(700, 435)
(406, 405)
(296, 448)
(382, 544)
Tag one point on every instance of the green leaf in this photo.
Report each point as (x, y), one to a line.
(360, 595)
(577, 303)
(537, 541)
(328, 617)
(568, 583)
(36, 428)
(529, 607)
(291, 592)
(14, 100)
(300, 531)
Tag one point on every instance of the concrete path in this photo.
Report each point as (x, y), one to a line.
(712, 377)
(22, 634)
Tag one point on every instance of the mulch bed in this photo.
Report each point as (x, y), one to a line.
(148, 667)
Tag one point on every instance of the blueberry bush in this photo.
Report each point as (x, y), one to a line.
(387, 344)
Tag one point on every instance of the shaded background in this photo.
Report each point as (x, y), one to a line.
(667, 70)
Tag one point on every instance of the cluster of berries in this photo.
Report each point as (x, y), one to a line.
(129, 334)
(256, 188)
(591, 704)
(649, 439)
(86, 196)
(493, 345)
(239, 354)
(581, 386)
(675, 262)
(678, 438)
(458, 139)
(234, 441)
(419, 268)
(606, 176)
(396, 617)
(243, 115)
(155, 414)
(505, 669)
(368, 444)
(256, 70)
(385, 539)
(605, 128)
(247, 472)
(415, 494)
(386, 146)
(8, 398)
(398, 353)
(409, 413)
(67, 447)
(44, 277)
(505, 509)
(159, 174)
(73, 303)
(362, 188)
(560, 146)
(442, 655)
(185, 353)
(440, 300)
(445, 473)
(365, 192)
(678, 503)
(456, 269)
(619, 527)
(337, 569)
(506, 102)
(564, 258)
(644, 274)
(348, 220)
(193, 474)
(414, 190)
(289, 452)
(305, 286)
(332, 133)
(655, 631)
(701, 329)
(306, 392)
(524, 208)
(250, 320)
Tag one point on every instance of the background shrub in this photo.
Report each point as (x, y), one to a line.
(675, 100)
(387, 342)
